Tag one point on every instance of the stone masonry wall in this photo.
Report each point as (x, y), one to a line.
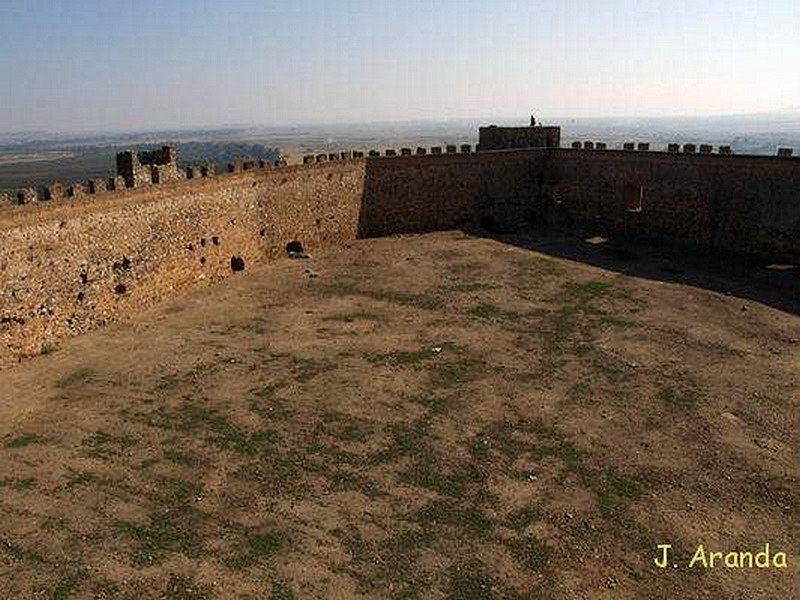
(72, 264)
(436, 192)
(536, 136)
(745, 204)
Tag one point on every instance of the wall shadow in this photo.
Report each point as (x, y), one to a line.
(742, 276)
(416, 194)
(560, 204)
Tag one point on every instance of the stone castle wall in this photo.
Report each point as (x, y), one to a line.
(428, 193)
(744, 204)
(71, 266)
(534, 136)
(138, 169)
(78, 262)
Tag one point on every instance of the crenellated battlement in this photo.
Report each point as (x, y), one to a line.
(177, 232)
(672, 148)
(159, 166)
(494, 137)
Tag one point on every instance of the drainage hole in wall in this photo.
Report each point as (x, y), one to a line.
(120, 288)
(262, 232)
(215, 240)
(237, 263)
(295, 250)
(202, 260)
(203, 242)
(84, 278)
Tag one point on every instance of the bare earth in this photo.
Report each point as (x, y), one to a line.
(439, 416)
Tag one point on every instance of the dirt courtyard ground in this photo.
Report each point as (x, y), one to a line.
(436, 416)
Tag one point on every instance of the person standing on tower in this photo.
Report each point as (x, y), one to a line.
(533, 121)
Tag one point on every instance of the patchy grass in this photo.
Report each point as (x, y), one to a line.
(492, 312)
(219, 430)
(258, 548)
(340, 480)
(532, 553)
(465, 518)
(18, 484)
(106, 446)
(78, 478)
(21, 441)
(19, 552)
(307, 462)
(281, 591)
(465, 268)
(175, 527)
(67, 585)
(679, 398)
(352, 317)
(580, 392)
(479, 447)
(183, 457)
(407, 439)
(528, 267)
(422, 301)
(619, 322)
(268, 405)
(583, 293)
(48, 348)
(451, 374)
(449, 480)
(180, 587)
(470, 582)
(612, 490)
(345, 427)
(575, 314)
(306, 369)
(77, 377)
(500, 437)
(476, 286)
(392, 559)
(268, 392)
(523, 518)
(400, 357)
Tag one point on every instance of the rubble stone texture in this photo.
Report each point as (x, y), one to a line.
(72, 266)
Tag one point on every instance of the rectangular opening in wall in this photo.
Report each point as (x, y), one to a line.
(633, 197)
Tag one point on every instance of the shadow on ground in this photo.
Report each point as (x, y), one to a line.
(745, 277)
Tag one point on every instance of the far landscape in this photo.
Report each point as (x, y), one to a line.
(380, 300)
(38, 158)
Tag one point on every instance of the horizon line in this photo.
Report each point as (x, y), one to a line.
(792, 111)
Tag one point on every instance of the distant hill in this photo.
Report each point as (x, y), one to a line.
(31, 163)
(71, 157)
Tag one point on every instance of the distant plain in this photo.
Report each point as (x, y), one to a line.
(38, 158)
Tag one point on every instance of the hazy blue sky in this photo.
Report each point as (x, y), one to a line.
(81, 64)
